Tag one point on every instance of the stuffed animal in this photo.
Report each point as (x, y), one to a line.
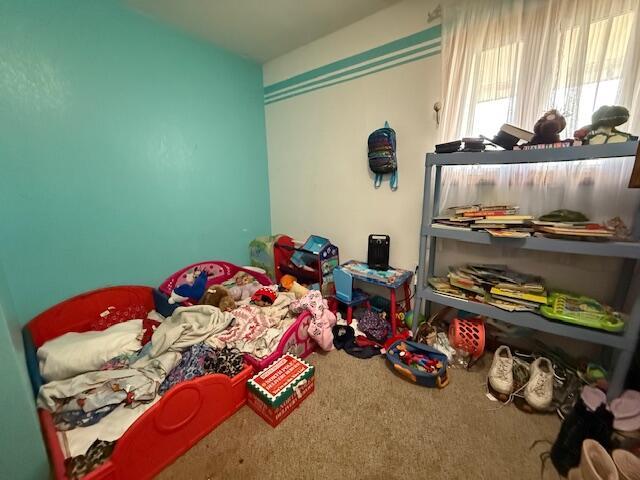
(289, 283)
(218, 296)
(603, 123)
(264, 296)
(192, 289)
(548, 127)
(245, 286)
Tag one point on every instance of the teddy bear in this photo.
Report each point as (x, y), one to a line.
(548, 127)
(218, 296)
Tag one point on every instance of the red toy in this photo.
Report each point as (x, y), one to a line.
(416, 360)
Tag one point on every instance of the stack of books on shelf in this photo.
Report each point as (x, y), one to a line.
(544, 146)
(572, 231)
(497, 220)
(495, 285)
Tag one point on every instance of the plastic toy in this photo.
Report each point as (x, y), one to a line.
(261, 253)
(419, 363)
(289, 283)
(408, 319)
(581, 310)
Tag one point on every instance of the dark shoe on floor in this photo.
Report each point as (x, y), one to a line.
(578, 426)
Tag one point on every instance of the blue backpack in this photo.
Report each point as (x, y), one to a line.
(382, 155)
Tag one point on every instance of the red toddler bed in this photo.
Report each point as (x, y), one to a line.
(294, 340)
(184, 415)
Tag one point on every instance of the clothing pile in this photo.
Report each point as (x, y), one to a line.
(201, 359)
(322, 319)
(93, 408)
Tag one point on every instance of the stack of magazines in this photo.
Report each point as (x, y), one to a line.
(497, 220)
(496, 285)
(573, 230)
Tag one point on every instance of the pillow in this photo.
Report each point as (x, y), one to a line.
(74, 353)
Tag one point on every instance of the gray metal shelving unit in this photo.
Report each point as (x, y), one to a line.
(623, 344)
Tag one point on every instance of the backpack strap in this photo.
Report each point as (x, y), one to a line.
(393, 181)
(378, 180)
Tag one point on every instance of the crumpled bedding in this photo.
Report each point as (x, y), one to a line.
(127, 385)
(132, 389)
(257, 330)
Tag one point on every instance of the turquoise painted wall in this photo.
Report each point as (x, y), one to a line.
(22, 454)
(127, 150)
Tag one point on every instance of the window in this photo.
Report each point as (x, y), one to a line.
(584, 75)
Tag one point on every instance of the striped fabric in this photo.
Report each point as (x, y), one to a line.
(398, 52)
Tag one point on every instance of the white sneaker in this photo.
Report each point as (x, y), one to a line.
(501, 371)
(539, 390)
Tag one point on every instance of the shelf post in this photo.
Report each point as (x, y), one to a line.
(624, 357)
(423, 245)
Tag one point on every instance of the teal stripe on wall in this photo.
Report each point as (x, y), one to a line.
(344, 73)
(413, 59)
(286, 87)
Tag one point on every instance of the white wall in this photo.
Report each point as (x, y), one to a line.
(317, 142)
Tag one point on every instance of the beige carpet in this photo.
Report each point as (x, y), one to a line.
(363, 422)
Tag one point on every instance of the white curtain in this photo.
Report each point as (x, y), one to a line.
(596, 188)
(509, 61)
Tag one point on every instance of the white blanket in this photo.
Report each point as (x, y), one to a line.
(74, 353)
(188, 326)
(93, 390)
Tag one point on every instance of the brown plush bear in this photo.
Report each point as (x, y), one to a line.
(218, 296)
(548, 127)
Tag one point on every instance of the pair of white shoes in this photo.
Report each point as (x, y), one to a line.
(538, 392)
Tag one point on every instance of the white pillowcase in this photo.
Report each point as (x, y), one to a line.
(74, 353)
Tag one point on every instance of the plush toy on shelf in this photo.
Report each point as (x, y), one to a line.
(602, 128)
(547, 128)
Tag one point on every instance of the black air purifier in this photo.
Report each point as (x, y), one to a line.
(378, 252)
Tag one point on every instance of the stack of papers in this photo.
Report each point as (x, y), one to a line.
(493, 284)
(573, 231)
(498, 220)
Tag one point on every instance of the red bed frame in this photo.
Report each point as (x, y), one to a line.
(184, 415)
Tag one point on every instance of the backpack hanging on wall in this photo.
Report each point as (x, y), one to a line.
(382, 155)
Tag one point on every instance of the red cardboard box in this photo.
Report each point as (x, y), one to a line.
(280, 388)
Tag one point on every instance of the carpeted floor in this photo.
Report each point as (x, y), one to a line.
(363, 422)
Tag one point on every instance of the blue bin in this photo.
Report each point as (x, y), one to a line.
(425, 379)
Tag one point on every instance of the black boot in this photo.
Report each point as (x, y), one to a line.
(579, 425)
